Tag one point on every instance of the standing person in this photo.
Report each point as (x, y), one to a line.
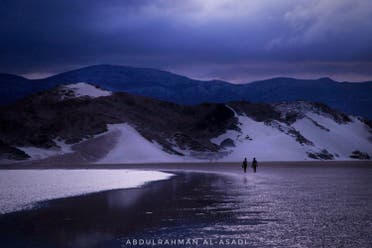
(245, 165)
(254, 165)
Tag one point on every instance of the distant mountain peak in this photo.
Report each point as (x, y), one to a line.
(327, 79)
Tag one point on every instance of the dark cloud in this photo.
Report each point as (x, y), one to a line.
(226, 39)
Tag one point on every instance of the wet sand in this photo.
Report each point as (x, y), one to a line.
(283, 205)
(228, 167)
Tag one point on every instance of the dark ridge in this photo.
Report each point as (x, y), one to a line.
(350, 98)
(360, 155)
(337, 116)
(257, 111)
(300, 138)
(323, 155)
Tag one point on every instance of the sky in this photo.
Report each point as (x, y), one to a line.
(238, 41)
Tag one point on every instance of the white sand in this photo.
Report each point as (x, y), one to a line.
(85, 89)
(132, 147)
(21, 189)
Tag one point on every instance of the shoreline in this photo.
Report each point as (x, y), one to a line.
(198, 166)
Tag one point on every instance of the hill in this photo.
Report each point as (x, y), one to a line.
(351, 98)
(85, 123)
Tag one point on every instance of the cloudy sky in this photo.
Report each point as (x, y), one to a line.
(235, 40)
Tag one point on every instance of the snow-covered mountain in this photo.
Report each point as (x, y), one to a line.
(84, 123)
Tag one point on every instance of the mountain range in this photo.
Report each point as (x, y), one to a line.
(82, 122)
(350, 98)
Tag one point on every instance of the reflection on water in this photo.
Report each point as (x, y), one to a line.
(277, 207)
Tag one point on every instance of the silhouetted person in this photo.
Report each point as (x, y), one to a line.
(245, 165)
(254, 165)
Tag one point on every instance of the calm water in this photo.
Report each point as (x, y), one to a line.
(277, 207)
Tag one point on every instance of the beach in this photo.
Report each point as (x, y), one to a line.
(317, 204)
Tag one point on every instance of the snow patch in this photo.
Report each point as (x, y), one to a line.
(84, 89)
(41, 153)
(23, 189)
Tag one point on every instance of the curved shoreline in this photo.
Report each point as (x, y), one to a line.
(197, 166)
(279, 206)
(23, 189)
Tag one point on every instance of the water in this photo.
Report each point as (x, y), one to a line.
(321, 206)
